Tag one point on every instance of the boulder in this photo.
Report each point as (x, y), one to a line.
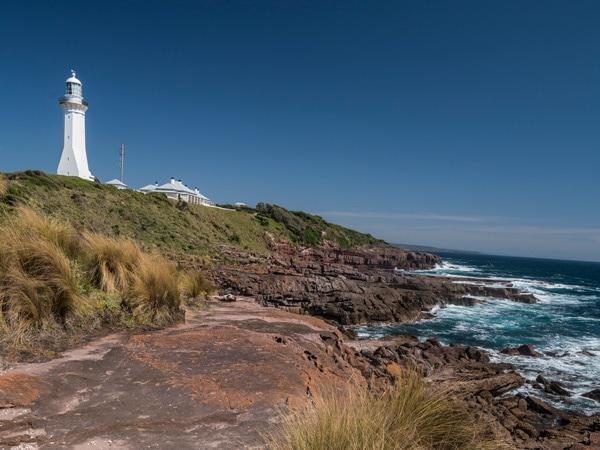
(553, 387)
(544, 408)
(594, 395)
(523, 350)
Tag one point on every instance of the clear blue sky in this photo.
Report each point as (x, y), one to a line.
(458, 124)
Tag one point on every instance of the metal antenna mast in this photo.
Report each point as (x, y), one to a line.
(122, 160)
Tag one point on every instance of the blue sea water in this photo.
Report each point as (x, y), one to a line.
(564, 325)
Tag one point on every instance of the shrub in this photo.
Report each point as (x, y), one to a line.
(410, 416)
(153, 296)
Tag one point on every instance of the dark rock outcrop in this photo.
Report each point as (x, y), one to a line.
(354, 287)
(553, 387)
(485, 388)
(523, 350)
(346, 288)
(594, 395)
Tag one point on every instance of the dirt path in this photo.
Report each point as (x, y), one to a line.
(215, 382)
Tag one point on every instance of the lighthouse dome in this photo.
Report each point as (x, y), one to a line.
(73, 80)
(74, 87)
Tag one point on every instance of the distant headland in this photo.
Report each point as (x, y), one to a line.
(429, 249)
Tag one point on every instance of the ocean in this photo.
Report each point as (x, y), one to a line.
(564, 325)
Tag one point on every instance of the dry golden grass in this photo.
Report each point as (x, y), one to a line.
(47, 229)
(154, 296)
(194, 284)
(410, 416)
(37, 282)
(110, 262)
(51, 277)
(3, 184)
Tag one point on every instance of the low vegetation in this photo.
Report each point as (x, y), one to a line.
(177, 230)
(194, 285)
(412, 415)
(55, 281)
(309, 230)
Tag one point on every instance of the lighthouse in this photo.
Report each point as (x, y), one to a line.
(73, 161)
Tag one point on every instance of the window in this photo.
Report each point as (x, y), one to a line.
(74, 89)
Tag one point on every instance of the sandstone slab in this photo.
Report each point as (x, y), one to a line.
(218, 381)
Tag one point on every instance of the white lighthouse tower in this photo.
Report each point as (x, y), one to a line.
(73, 161)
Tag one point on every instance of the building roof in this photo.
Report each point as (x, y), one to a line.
(148, 188)
(117, 183)
(174, 186)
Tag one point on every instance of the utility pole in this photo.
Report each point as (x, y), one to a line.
(122, 160)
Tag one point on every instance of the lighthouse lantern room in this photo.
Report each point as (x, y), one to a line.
(73, 160)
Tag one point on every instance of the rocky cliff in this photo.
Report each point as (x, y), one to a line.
(350, 287)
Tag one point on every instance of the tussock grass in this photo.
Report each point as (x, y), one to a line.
(22, 301)
(110, 262)
(56, 280)
(153, 295)
(46, 229)
(194, 284)
(3, 184)
(410, 416)
(37, 281)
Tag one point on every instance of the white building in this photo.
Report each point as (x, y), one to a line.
(73, 161)
(117, 183)
(176, 190)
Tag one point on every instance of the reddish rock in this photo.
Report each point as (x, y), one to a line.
(350, 287)
(218, 381)
(21, 389)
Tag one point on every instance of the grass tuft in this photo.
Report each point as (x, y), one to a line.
(55, 281)
(154, 296)
(194, 284)
(110, 262)
(37, 279)
(410, 416)
(45, 228)
(3, 184)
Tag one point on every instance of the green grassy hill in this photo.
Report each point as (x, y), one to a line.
(155, 222)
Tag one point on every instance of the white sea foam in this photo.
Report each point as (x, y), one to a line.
(564, 322)
(577, 371)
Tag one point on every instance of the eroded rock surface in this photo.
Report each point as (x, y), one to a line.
(221, 379)
(218, 381)
(353, 287)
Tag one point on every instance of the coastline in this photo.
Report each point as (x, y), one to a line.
(224, 377)
(227, 373)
